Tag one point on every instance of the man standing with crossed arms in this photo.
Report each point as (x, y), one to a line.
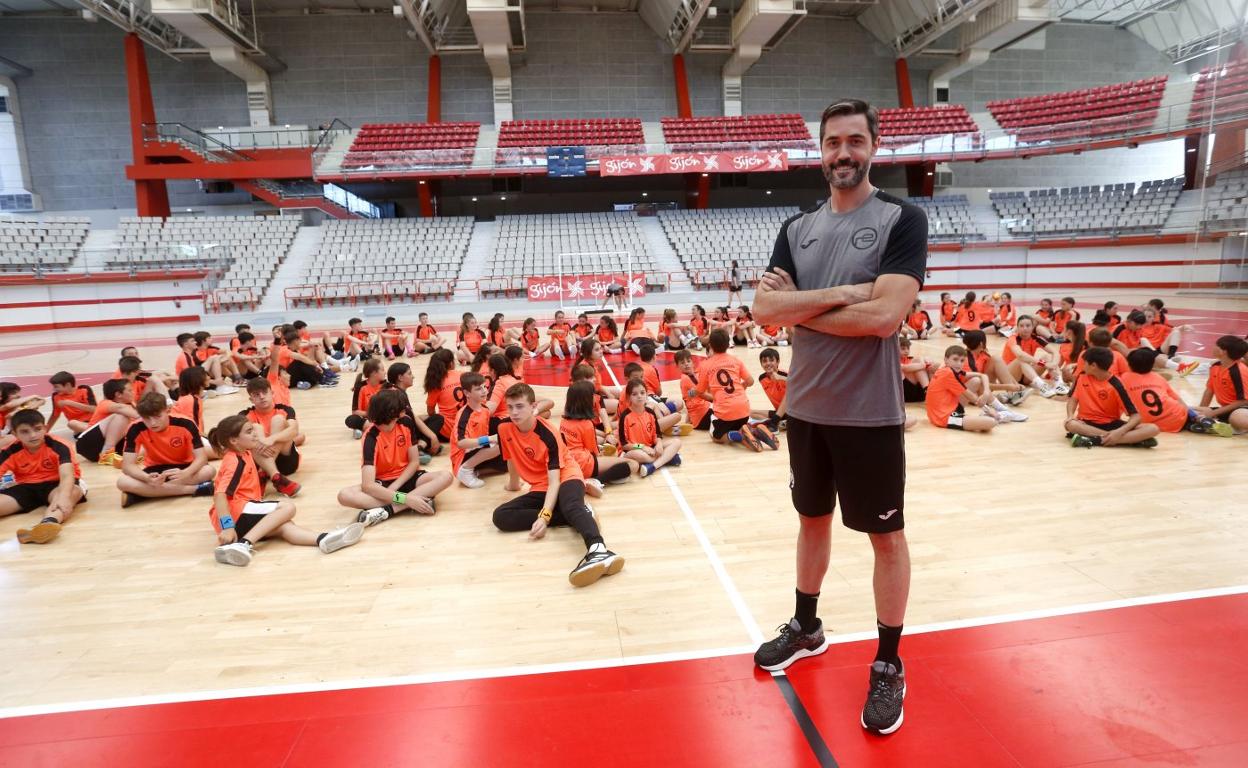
(845, 273)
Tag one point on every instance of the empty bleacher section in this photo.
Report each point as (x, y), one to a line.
(27, 245)
(1108, 109)
(384, 260)
(686, 134)
(1115, 209)
(380, 145)
(526, 140)
(1226, 84)
(906, 125)
(1226, 201)
(246, 249)
(532, 245)
(708, 241)
(949, 218)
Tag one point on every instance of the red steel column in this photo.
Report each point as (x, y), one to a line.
(683, 106)
(425, 196)
(151, 196)
(433, 112)
(905, 96)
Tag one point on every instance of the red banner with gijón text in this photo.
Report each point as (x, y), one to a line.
(693, 162)
(573, 287)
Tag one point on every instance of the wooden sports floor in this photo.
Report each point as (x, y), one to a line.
(442, 641)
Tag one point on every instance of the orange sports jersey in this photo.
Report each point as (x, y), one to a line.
(947, 310)
(1156, 333)
(184, 360)
(190, 407)
(472, 339)
(239, 480)
(581, 330)
(559, 331)
(1007, 315)
(581, 439)
(695, 406)
(650, 377)
(638, 427)
(447, 399)
(365, 394)
(772, 330)
(1046, 314)
(536, 452)
(175, 444)
(1227, 382)
(1062, 317)
(425, 332)
(265, 420)
(390, 335)
(775, 387)
(1155, 400)
(498, 394)
(724, 377)
(42, 465)
(469, 425)
(983, 311)
(529, 339)
(943, 393)
(698, 324)
(83, 395)
(605, 334)
(665, 329)
(235, 344)
(1131, 338)
(1118, 368)
(1114, 322)
(919, 321)
(101, 412)
(1028, 345)
(978, 361)
(966, 318)
(281, 392)
(498, 338)
(1102, 401)
(387, 452)
(639, 331)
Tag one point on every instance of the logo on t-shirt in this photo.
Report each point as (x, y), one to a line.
(864, 238)
(47, 463)
(176, 442)
(808, 243)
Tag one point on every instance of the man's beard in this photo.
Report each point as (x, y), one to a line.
(860, 173)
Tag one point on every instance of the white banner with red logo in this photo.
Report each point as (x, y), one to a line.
(693, 162)
(573, 287)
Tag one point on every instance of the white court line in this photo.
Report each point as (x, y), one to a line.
(575, 666)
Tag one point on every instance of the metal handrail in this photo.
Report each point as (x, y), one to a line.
(209, 147)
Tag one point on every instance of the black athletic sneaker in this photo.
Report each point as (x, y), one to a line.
(792, 644)
(594, 565)
(883, 713)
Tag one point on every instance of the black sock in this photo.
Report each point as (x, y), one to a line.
(1096, 439)
(50, 520)
(321, 536)
(389, 509)
(807, 607)
(1172, 350)
(890, 638)
(246, 541)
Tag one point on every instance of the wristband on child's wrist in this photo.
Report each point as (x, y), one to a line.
(400, 497)
(227, 523)
(483, 441)
(545, 515)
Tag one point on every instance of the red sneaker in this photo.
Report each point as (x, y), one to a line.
(285, 486)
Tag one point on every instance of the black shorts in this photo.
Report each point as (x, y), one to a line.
(247, 520)
(705, 423)
(396, 349)
(719, 427)
(615, 290)
(987, 324)
(34, 495)
(1226, 417)
(498, 463)
(1108, 426)
(90, 443)
(410, 485)
(156, 469)
(912, 392)
(865, 467)
(287, 463)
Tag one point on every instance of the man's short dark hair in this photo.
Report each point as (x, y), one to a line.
(846, 108)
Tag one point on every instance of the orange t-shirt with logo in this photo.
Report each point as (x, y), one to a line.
(82, 394)
(265, 420)
(469, 424)
(175, 444)
(696, 407)
(650, 377)
(1227, 382)
(581, 439)
(1102, 401)
(775, 386)
(447, 399)
(1029, 345)
(640, 428)
(943, 393)
(387, 452)
(39, 466)
(536, 452)
(724, 377)
(1156, 401)
(239, 480)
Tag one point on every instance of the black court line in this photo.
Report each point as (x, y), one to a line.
(815, 739)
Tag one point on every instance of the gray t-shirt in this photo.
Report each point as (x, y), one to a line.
(850, 381)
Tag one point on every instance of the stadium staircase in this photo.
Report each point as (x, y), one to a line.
(665, 255)
(307, 243)
(480, 248)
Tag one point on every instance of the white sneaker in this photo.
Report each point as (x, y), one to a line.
(468, 476)
(782, 343)
(237, 553)
(1061, 388)
(532, 355)
(1041, 388)
(594, 483)
(226, 389)
(1013, 415)
(1017, 398)
(207, 394)
(343, 537)
(371, 517)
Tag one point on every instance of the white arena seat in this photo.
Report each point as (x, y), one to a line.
(29, 244)
(948, 218)
(1114, 209)
(381, 260)
(708, 240)
(1226, 201)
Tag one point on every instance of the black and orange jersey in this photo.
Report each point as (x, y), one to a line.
(650, 377)
(1062, 317)
(102, 411)
(239, 480)
(42, 465)
(175, 444)
(581, 330)
(498, 395)
(582, 441)
(724, 377)
(605, 334)
(978, 361)
(447, 400)
(1227, 382)
(1007, 316)
(943, 395)
(919, 321)
(190, 407)
(265, 419)
(775, 386)
(696, 407)
(183, 361)
(1118, 368)
(425, 332)
(1029, 345)
(1157, 334)
(1129, 337)
(365, 394)
(638, 330)
(1102, 401)
(1044, 314)
(498, 338)
(536, 452)
(948, 308)
(470, 424)
(1155, 400)
(698, 324)
(640, 428)
(967, 318)
(473, 339)
(387, 452)
(82, 394)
